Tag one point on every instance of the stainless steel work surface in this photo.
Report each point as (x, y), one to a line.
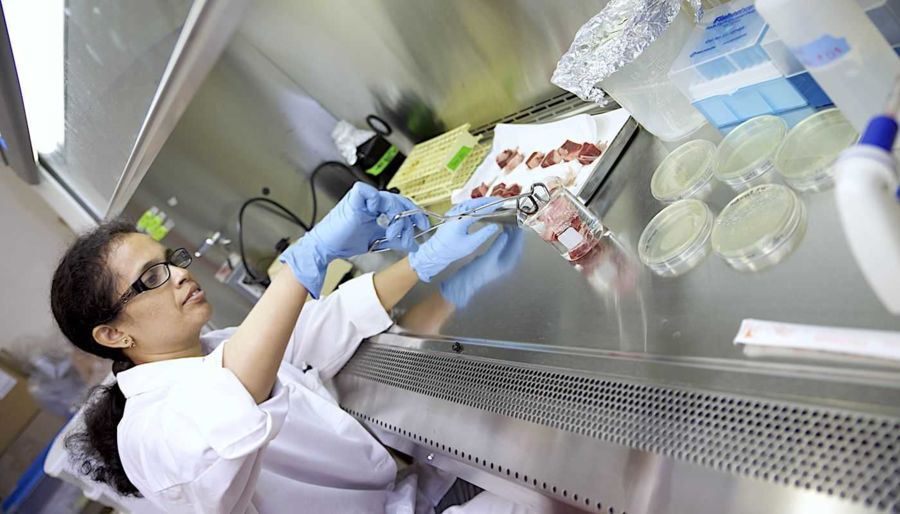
(624, 308)
(607, 388)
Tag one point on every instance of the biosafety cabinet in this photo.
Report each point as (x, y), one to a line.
(609, 390)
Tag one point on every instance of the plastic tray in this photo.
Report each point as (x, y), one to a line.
(727, 41)
(725, 72)
(434, 168)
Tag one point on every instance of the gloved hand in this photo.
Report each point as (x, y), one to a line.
(348, 230)
(500, 259)
(452, 241)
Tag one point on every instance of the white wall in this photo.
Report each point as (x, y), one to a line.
(32, 239)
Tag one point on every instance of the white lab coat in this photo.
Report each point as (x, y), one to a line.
(193, 440)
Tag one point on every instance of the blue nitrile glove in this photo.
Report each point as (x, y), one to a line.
(348, 230)
(452, 241)
(501, 258)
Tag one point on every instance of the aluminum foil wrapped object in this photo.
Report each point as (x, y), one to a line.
(613, 38)
(697, 6)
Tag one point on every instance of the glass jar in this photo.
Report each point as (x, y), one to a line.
(559, 218)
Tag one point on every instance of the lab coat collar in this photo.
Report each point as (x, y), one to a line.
(156, 375)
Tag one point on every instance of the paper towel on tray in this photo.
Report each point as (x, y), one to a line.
(599, 129)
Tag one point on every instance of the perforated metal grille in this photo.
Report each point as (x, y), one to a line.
(557, 107)
(839, 453)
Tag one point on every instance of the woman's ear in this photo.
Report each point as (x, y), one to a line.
(111, 337)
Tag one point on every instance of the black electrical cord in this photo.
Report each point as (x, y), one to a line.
(275, 212)
(312, 183)
(254, 279)
(290, 216)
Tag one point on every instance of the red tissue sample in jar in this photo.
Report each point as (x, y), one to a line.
(563, 224)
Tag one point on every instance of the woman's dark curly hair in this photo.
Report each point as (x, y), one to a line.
(82, 296)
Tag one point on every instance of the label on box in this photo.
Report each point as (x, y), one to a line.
(821, 51)
(728, 32)
(382, 163)
(458, 158)
(570, 238)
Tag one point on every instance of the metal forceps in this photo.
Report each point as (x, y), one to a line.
(525, 202)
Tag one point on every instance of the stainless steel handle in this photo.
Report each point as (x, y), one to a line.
(209, 242)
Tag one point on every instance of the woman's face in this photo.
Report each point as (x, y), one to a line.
(162, 322)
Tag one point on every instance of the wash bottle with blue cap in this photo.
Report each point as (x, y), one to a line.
(869, 205)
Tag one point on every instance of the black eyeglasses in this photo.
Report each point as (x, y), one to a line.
(157, 275)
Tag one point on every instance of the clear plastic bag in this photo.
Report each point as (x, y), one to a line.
(626, 50)
(60, 379)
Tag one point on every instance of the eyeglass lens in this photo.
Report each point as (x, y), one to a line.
(158, 274)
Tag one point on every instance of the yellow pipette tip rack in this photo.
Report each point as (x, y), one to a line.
(434, 168)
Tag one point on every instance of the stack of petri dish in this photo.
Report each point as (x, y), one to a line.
(806, 157)
(745, 157)
(759, 227)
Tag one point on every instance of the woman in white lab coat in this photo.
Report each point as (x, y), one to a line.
(238, 420)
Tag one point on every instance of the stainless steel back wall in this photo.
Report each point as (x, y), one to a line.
(425, 65)
(248, 127)
(265, 113)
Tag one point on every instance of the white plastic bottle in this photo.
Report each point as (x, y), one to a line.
(841, 48)
(866, 194)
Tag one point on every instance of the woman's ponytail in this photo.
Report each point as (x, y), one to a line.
(83, 296)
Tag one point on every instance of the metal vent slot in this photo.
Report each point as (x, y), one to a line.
(844, 454)
(557, 107)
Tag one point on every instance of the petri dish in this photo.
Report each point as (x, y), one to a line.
(745, 157)
(687, 172)
(806, 158)
(677, 238)
(759, 227)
